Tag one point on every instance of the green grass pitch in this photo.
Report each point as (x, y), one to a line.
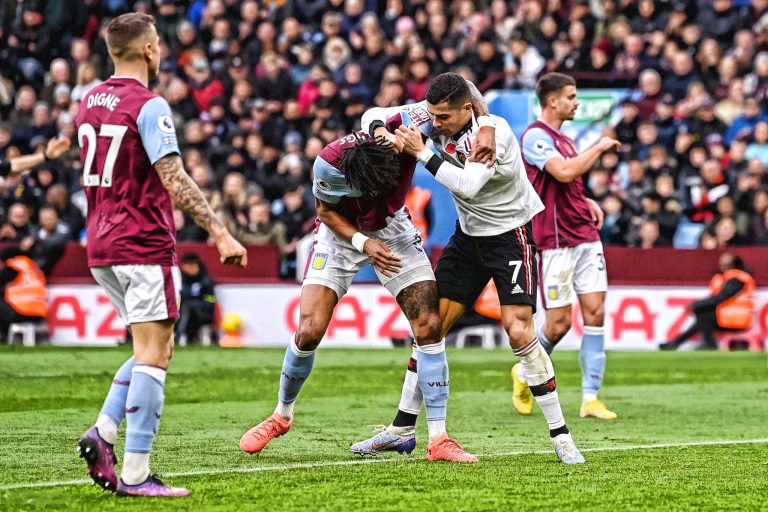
(691, 434)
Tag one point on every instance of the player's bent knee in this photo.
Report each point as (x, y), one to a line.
(594, 318)
(309, 335)
(561, 328)
(426, 329)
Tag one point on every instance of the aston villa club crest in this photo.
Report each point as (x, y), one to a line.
(319, 261)
(552, 292)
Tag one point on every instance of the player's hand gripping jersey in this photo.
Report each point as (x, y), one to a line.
(489, 201)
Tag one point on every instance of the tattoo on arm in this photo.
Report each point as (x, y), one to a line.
(478, 102)
(418, 299)
(185, 193)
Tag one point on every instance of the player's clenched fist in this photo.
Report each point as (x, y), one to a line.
(382, 257)
(231, 252)
(410, 137)
(608, 144)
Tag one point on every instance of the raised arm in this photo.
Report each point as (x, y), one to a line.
(485, 143)
(20, 164)
(188, 198)
(568, 170)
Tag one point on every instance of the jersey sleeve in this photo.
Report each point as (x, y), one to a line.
(538, 148)
(330, 184)
(157, 131)
(506, 142)
(410, 115)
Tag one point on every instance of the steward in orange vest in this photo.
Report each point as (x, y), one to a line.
(731, 307)
(25, 294)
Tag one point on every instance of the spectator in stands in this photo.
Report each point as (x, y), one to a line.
(705, 123)
(59, 74)
(758, 147)
(731, 307)
(87, 78)
(761, 228)
(522, 63)
(756, 81)
(261, 229)
(48, 241)
(615, 223)
(702, 192)
(233, 200)
(21, 115)
(29, 42)
(682, 76)
(18, 225)
(718, 20)
(198, 298)
(631, 61)
(204, 87)
(650, 87)
(25, 293)
(744, 125)
(649, 235)
(58, 197)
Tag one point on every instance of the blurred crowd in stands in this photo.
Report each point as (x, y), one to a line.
(258, 88)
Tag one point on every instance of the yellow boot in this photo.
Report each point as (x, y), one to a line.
(522, 398)
(597, 409)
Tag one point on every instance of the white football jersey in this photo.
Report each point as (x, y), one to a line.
(507, 201)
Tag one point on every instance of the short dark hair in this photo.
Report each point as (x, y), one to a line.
(449, 87)
(552, 83)
(371, 165)
(124, 30)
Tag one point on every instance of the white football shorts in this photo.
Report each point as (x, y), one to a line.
(333, 262)
(568, 272)
(141, 293)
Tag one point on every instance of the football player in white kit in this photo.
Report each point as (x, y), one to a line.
(493, 240)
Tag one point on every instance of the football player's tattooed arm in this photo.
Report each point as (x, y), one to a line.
(188, 198)
(382, 257)
(185, 193)
(485, 142)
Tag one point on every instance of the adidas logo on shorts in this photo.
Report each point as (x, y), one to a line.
(517, 289)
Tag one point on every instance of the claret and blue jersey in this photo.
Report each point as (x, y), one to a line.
(123, 130)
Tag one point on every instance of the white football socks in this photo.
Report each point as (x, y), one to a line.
(135, 468)
(107, 428)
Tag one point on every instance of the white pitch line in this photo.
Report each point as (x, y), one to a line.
(361, 461)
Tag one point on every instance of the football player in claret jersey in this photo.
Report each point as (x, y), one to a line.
(132, 170)
(493, 240)
(571, 260)
(360, 184)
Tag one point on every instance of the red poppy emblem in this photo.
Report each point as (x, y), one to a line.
(450, 148)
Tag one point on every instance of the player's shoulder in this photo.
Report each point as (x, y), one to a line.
(536, 137)
(333, 151)
(415, 113)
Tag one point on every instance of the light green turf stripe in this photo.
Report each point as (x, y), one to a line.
(361, 461)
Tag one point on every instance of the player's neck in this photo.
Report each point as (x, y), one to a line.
(550, 119)
(133, 70)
